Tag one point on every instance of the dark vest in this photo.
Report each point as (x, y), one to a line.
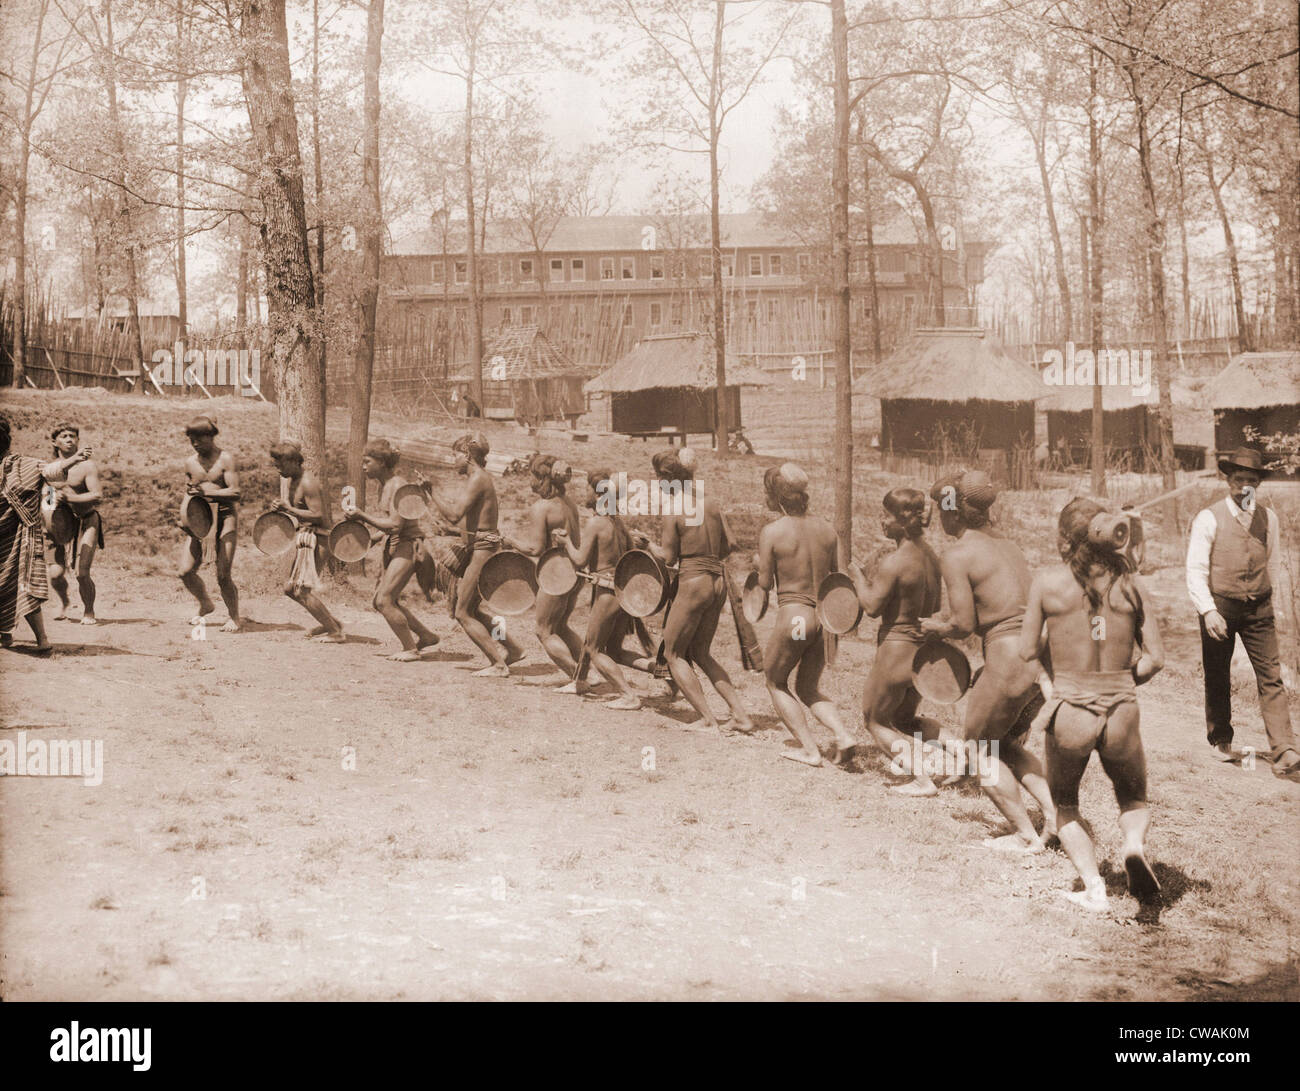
(1239, 557)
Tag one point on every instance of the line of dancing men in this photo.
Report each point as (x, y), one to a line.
(1064, 649)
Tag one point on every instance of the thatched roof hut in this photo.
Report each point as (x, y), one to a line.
(952, 394)
(1257, 397)
(1130, 421)
(526, 377)
(668, 384)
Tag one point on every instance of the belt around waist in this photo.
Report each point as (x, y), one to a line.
(695, 565)
(1007, 626)
(799, 598)
(909, 632)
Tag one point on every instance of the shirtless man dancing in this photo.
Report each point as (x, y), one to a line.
(1093, 607)
(987, 581)
(476, 512)
(402, 539)
(81, 495)
(211, 473)
(551, 513)
(796, 552)
(700, 542)
(307, 506)
(604, 540)
(905, 590)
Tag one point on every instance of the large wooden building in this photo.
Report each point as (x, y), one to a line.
(598, 284)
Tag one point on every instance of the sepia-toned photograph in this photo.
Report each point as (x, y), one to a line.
(650, 500)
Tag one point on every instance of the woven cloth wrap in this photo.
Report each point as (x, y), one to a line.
(303, 576)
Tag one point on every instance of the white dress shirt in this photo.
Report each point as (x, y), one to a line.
(1202, 541)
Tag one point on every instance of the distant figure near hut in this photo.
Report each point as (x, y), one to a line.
(1256, 403)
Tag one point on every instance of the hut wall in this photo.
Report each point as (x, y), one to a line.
(914, 426)
(1131, 432)
(671, 408)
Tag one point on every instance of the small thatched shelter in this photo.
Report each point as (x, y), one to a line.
(668, 384)
(1259, 393)
(526, 378)
(951, 395)
(1131, 425)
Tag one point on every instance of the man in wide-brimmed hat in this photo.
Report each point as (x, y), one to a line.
(1232, 569)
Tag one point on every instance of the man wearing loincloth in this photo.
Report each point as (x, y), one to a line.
(697, 543)
(796, 552)
(476, 512)
(307, 506)
(402, 539)
(987, 581)
(905, 589)
(211, 473)
(80, 497)
(552, 512)
(604, 541)
(1096, 622)
(24, 585)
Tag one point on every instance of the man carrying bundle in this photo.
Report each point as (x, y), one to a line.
(988, 585)
(1095, 615)
(796, 552)
(477, 513)
(307, 506)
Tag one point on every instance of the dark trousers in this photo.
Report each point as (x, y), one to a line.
(1253, 623)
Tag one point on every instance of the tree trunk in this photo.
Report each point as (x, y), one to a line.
(241, 283)
(182, 88)
(1156, 268)
(319, 184)
(471, 246)
(1230, 244)
(19, 351)
(721, 426)
(1054, 230)
(1096, 318)
(290, 290)
(872, 281)
(843, 453)
(372, 244)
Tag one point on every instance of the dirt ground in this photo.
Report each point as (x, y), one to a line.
(282, 820)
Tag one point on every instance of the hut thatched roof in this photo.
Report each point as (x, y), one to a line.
(952, 365)
(528, 354)
(1118, 396)
(1257, 379)
(672, 360)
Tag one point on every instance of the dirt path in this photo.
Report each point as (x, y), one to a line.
(280, 820)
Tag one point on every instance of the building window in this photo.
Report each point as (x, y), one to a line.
(751, 310)
(577, 269)
(774, 265)
(657, 268)
(803, 310)
(805, 264)
(557, 268)
(675, 309)
(755, 265)
(773, 309)
(437, 272)
(656, 313)
(627, 314)
(525, 268)
(606, 268)
(629, 270)
(525, 316)
(728, 268)
(506, 317)
(706, 270)
(462, 272)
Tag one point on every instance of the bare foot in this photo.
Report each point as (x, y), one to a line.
(406, 655)
(493, 670)
(328, 637)
(430, 641)
(320, 630)
(702, 726)
(844, 754)
(1142, 881)
(626, 703)
(578, 688)
(918, 788)
(1013, 842)
(802, 757)
(234, 625)
(43, 651)
(62, 615)
(206, 606)
(518, 657)
(1094, 900)
(89, 619)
